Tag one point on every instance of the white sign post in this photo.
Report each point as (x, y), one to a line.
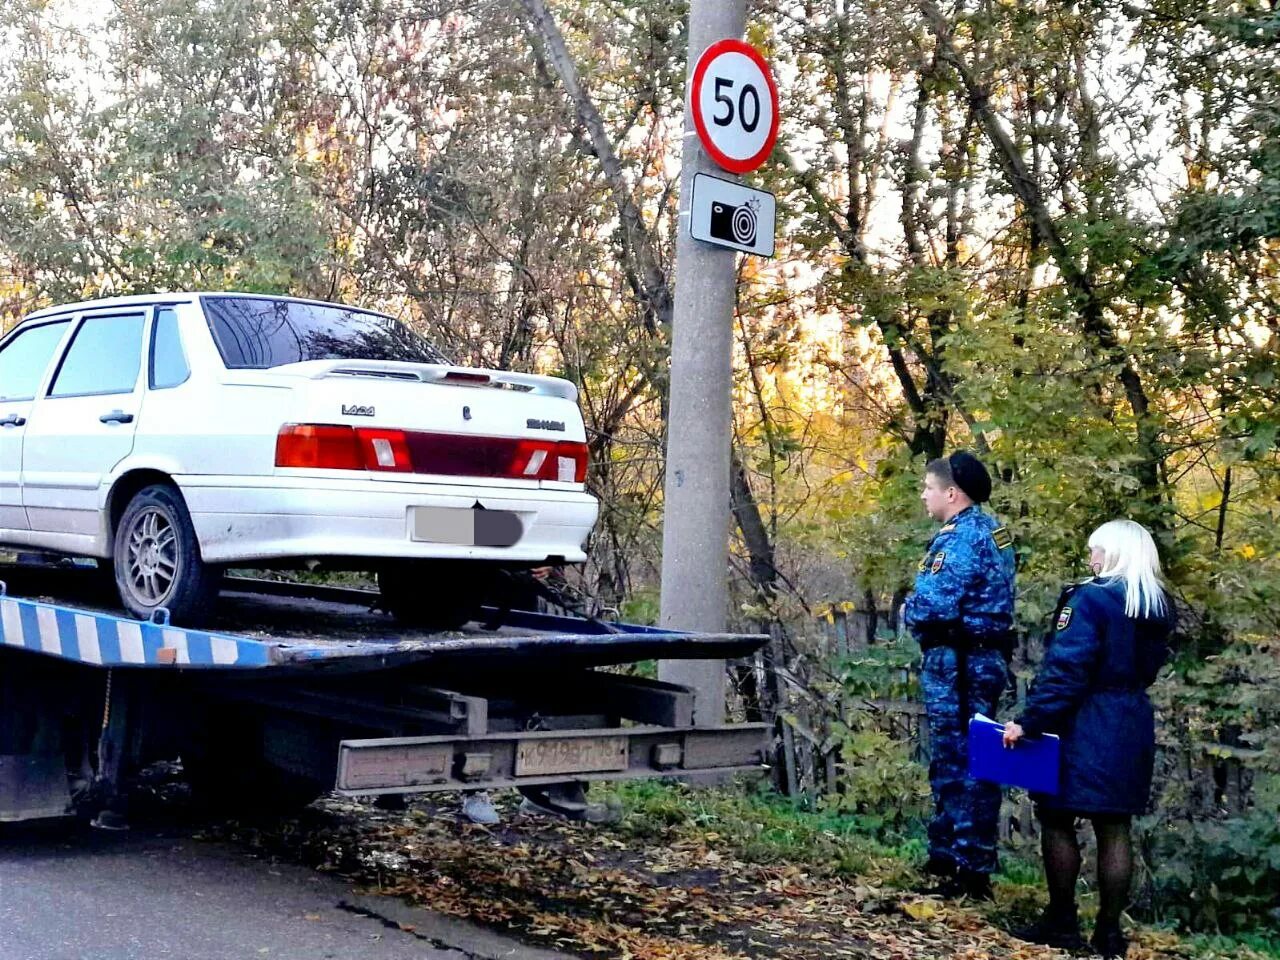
(735, 105)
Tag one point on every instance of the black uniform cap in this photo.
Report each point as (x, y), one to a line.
(970, 476)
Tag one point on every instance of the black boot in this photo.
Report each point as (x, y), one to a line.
(1108, 940)
(1055, 928)
(934, 868)
(965, 883)
(975, 886)
(940, 866)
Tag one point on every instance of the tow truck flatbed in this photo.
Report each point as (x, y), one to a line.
(310, 686)
(98, 638)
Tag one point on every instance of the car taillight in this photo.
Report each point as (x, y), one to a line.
(385, 450)
(531, 459)
(564, 461)
(318, 446)
(572, 459)
(339, 447)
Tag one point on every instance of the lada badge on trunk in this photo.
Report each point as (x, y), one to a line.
(535, 424)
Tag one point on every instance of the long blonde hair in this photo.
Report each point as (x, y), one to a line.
(1129, 554)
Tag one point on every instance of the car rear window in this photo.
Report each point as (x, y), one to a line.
(256, 333)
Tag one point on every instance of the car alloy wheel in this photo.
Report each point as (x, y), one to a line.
(157, 559)
(152, 555)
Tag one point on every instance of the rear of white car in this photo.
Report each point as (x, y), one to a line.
(292, 430)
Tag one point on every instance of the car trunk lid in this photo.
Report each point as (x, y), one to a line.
(500, 427)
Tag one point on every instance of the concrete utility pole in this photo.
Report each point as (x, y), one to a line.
(695, 531)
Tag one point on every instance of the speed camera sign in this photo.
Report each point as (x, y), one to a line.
(730, 215)
(735, 105)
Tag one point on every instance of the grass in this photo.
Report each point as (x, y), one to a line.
(1209, 947)
(758, 826)
(761, 827)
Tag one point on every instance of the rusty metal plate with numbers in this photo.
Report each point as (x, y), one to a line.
(393, 767)
(547, 757)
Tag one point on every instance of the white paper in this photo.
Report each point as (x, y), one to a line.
(982, 718)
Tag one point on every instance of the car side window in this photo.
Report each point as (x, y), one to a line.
(25, 358)
(169, 367)
(104, 357)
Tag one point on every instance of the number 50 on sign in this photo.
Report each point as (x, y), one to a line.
(735, 105)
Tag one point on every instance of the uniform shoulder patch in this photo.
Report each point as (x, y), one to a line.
(923, 565)
(1002, 537)
(1064, 618)
(938, 558)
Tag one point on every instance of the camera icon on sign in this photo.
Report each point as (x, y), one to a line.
(735, 224)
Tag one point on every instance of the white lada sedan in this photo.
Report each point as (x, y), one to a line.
(175, 435)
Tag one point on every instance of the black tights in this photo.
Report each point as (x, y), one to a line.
(1061, 849)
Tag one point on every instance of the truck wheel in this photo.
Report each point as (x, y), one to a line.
(435, 596)
(236, 787)
(224, 763)
(157, 559)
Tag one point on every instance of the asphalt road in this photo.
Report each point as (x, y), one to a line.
(156, 895)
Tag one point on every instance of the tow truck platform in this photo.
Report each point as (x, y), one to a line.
(300, 689)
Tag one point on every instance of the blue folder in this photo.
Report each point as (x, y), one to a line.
(1031, 763)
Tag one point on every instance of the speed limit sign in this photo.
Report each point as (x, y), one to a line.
(735, 105)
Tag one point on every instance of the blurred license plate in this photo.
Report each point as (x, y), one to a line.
(536, 758)
(469, 528)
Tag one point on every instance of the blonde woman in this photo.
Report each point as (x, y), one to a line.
(1108, 641)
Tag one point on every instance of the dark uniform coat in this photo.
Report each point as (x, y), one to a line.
(965, 580)
(961, 611)
(1091, 690)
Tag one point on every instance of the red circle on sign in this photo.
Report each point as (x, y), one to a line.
(732, 164)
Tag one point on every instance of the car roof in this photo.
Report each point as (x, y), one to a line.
(175, 297)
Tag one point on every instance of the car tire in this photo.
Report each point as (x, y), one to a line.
(157, 559)
(435, 596)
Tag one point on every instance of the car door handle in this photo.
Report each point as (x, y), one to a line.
(13, 420)
(117, 416)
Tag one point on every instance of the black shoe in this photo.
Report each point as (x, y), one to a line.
(940, 867)
(935, 867)
(1109, 941)
(966, 883)
(1054, 929)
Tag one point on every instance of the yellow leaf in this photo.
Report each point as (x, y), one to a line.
(921, 909)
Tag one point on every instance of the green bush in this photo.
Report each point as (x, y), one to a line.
(1212, 853)
(1219, 875)
(879, 781)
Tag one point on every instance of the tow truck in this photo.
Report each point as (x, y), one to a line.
(302, 689)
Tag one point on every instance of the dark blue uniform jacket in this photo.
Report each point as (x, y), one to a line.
(965, 581)
(1091, 690)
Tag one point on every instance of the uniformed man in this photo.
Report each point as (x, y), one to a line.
(961, 612)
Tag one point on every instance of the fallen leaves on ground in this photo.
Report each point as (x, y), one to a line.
(595, 891)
